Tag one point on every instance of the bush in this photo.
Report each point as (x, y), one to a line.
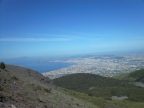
(1, 88)
(2, 65)
(15, 77)
(47, 90)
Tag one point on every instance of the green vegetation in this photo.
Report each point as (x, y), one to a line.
(137, 75)
(103, 102)
(94, 100)
(84, 81)
(2, 65)
(98, 86)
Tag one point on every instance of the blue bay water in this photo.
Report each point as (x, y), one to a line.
(49, 66)
(39, 66)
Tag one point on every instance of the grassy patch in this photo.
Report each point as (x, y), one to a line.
(103, 102)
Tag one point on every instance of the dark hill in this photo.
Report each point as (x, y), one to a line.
(85, 81)
(95, 85)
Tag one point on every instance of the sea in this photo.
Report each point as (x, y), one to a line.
(39, 65)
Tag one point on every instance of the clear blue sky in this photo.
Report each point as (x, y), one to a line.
(70, 27)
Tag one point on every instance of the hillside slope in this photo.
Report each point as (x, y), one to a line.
(86, 81)
(98, 86)
(24, 88)
(137, 75)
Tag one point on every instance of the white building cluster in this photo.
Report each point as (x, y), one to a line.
(101, 65)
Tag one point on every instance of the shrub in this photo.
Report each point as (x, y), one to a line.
(15, 77)
(47, 90)
(1, 88)
(2, 65)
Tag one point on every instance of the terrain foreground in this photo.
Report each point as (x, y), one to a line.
(25, 88)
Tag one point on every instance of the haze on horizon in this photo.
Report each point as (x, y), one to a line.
(70, 27)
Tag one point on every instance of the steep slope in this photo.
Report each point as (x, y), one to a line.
(25, 88)
(27, 74)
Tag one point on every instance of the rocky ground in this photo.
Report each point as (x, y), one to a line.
(25, 88)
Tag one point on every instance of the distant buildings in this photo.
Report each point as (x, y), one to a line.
(102, 65)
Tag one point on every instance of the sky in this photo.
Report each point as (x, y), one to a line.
(32, 28)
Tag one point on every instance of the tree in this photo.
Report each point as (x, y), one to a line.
(2, 65)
